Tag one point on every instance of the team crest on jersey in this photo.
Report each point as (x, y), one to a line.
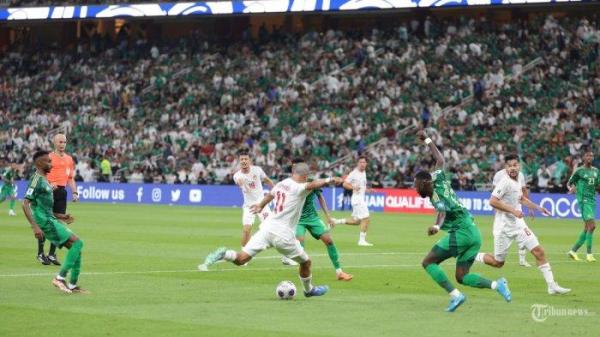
(252, 184)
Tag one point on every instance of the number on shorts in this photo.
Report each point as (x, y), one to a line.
(279, 200)
(527, 232)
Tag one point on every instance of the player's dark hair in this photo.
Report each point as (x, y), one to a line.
(423, 175)
(243, 152)
(40, 154)
(362, 156)
(298, 160)
(510, 157)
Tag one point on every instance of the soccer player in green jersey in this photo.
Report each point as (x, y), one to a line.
(585, 181)
(8, 188)
(311, 222)
(37, 207)
(463, 239)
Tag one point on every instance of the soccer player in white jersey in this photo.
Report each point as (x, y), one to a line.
(279, 229)
(250, 179)
(497, 178)
(507, 199)
(357, 182)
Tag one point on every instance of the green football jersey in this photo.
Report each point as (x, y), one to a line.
(39, 192)
(444, 200)
(586, 180)
(309, 211)
(8, 176)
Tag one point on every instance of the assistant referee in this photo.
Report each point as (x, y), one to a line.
(61, 175)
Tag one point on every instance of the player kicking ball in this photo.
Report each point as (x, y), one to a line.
(278, 230)
(463, 239)
(507, 199)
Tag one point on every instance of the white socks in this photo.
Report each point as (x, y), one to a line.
(338, 271)
(60, 278)
(339, 221)
(479, 257)
(494, 285)
(307, 283)
(363, 236)
(72, 286)
(547, 272)
(230, 255)
(455, 292)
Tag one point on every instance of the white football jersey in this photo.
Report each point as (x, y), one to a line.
(502, 173)
(508, 191)
(251, 184)
(289, 200)
(358, 179)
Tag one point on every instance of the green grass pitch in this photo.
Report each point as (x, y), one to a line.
(140, 263)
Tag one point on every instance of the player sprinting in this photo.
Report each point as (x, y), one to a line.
(463, 239)
(278, 230)
(510, 226)
(357, 182)
(8, 190)
(497, 178)
(311, 222)
(37, 207)
(585, 181)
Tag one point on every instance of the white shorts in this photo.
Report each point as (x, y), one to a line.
(248, 217)
(289, 247)
(360, 211)
(525, 239)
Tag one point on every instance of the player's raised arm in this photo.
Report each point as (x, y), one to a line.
(313, 185)
(34, 226)
(439, 158)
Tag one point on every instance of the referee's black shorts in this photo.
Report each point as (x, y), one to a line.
(60, 200)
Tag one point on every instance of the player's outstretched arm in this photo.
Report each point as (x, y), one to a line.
(34, 226)
(259, 207)
(315, 184)
(67, 218)
(531, 205)
(439, 158)
(502, 206)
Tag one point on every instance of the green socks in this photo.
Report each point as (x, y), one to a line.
(476, 281)
(72, 262)
(588, 242)
(11, 204)
(580, 241)
(438, 275)
(333, 256)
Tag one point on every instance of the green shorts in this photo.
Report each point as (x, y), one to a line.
(463, 244)
(56, 232)
(316, 227)
(588, 210)
(7, 191)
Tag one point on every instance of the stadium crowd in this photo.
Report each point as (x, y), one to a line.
(178, 111)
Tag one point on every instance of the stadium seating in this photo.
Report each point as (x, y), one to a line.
(178, 112)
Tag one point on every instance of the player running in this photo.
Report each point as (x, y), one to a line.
(510, 226)
(463, 239)
(357, 182)
(37, 207)
(8, 190)
(311, 222)
(497, 178)
(278, 229)
(585, 181)
(250, 179)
